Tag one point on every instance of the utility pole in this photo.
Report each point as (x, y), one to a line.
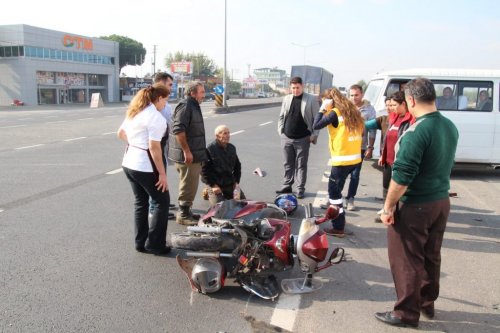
(224, 95)
(154, 60)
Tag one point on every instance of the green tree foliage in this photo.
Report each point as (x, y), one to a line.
(131, 51)
(363, 84)
(234, 87)
(202, 65)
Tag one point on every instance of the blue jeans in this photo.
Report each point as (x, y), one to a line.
(354, 182)
(338, 175)
(143, 186)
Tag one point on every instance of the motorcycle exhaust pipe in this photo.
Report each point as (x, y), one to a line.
(208, 254)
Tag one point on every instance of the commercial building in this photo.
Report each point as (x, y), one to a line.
(274, 77)
(42, 66)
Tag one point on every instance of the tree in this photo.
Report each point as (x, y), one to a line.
(233, 87)
(202, 65)
(131, 51)
(363, 84)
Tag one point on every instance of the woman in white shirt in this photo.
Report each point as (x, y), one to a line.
(142, 129)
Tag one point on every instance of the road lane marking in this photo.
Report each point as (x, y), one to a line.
(237, 132)
(73, 139)
(285, 311)
(111, 116)
(55, 122)
(264, 124)
(112, 172)
(25, 118)
(108, 133)
(1, 210)
(13, 126)
(26, 147)
(85, 118)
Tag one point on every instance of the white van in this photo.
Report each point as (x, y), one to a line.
(470, 98)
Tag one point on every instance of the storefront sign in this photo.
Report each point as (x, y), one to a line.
(77, 42)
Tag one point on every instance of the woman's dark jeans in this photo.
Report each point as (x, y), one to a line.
(338, 175)
(143, 186)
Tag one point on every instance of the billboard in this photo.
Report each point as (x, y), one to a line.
(181, 67)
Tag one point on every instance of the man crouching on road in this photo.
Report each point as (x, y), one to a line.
(187, 149)
(417, 206)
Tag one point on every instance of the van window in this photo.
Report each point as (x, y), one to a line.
(446, 95)
(478, 95)
(373, 90)
(395, 86)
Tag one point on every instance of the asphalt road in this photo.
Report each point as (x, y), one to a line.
(68, 264)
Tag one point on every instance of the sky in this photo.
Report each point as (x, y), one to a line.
(352, 39)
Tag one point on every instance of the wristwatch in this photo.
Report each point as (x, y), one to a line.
(369, 147)
(384, 212)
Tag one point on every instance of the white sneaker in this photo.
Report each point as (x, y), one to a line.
(350, 204)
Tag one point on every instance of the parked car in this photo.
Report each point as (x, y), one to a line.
(261, 95)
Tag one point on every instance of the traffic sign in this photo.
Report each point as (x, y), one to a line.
(219, 90)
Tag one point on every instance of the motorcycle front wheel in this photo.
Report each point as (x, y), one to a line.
(203, 242)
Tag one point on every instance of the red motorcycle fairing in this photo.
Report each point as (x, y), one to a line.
(316, 247)
(280, 241)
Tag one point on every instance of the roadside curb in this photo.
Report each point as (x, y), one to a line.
(246, 107)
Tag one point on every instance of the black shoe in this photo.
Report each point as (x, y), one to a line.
(159, 252)
(284, 189)
(171, 216)
(141, 248)
(428, 311)
(390, 319)
(300, 195)
(171, 206)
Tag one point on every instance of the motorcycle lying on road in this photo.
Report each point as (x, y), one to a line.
(251, 241)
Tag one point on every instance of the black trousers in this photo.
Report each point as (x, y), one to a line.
(143, 186)
(414, 245)
(386, 179)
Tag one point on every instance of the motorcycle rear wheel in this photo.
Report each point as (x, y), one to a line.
(203, 242)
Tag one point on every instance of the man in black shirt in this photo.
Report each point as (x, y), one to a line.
(295, 128)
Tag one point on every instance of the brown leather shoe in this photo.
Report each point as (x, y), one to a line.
(334, 232)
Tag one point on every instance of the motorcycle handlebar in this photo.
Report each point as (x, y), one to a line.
(308, 210)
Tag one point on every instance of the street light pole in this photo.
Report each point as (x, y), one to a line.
(224, 99)
(304, 47)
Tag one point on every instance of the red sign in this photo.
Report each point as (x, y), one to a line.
(183, 67)
(77, 42)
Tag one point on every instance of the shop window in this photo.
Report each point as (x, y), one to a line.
(21, 51)
(8, 51)
(2, 51)
(15, 51)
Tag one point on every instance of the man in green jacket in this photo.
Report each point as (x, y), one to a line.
(417, 206)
